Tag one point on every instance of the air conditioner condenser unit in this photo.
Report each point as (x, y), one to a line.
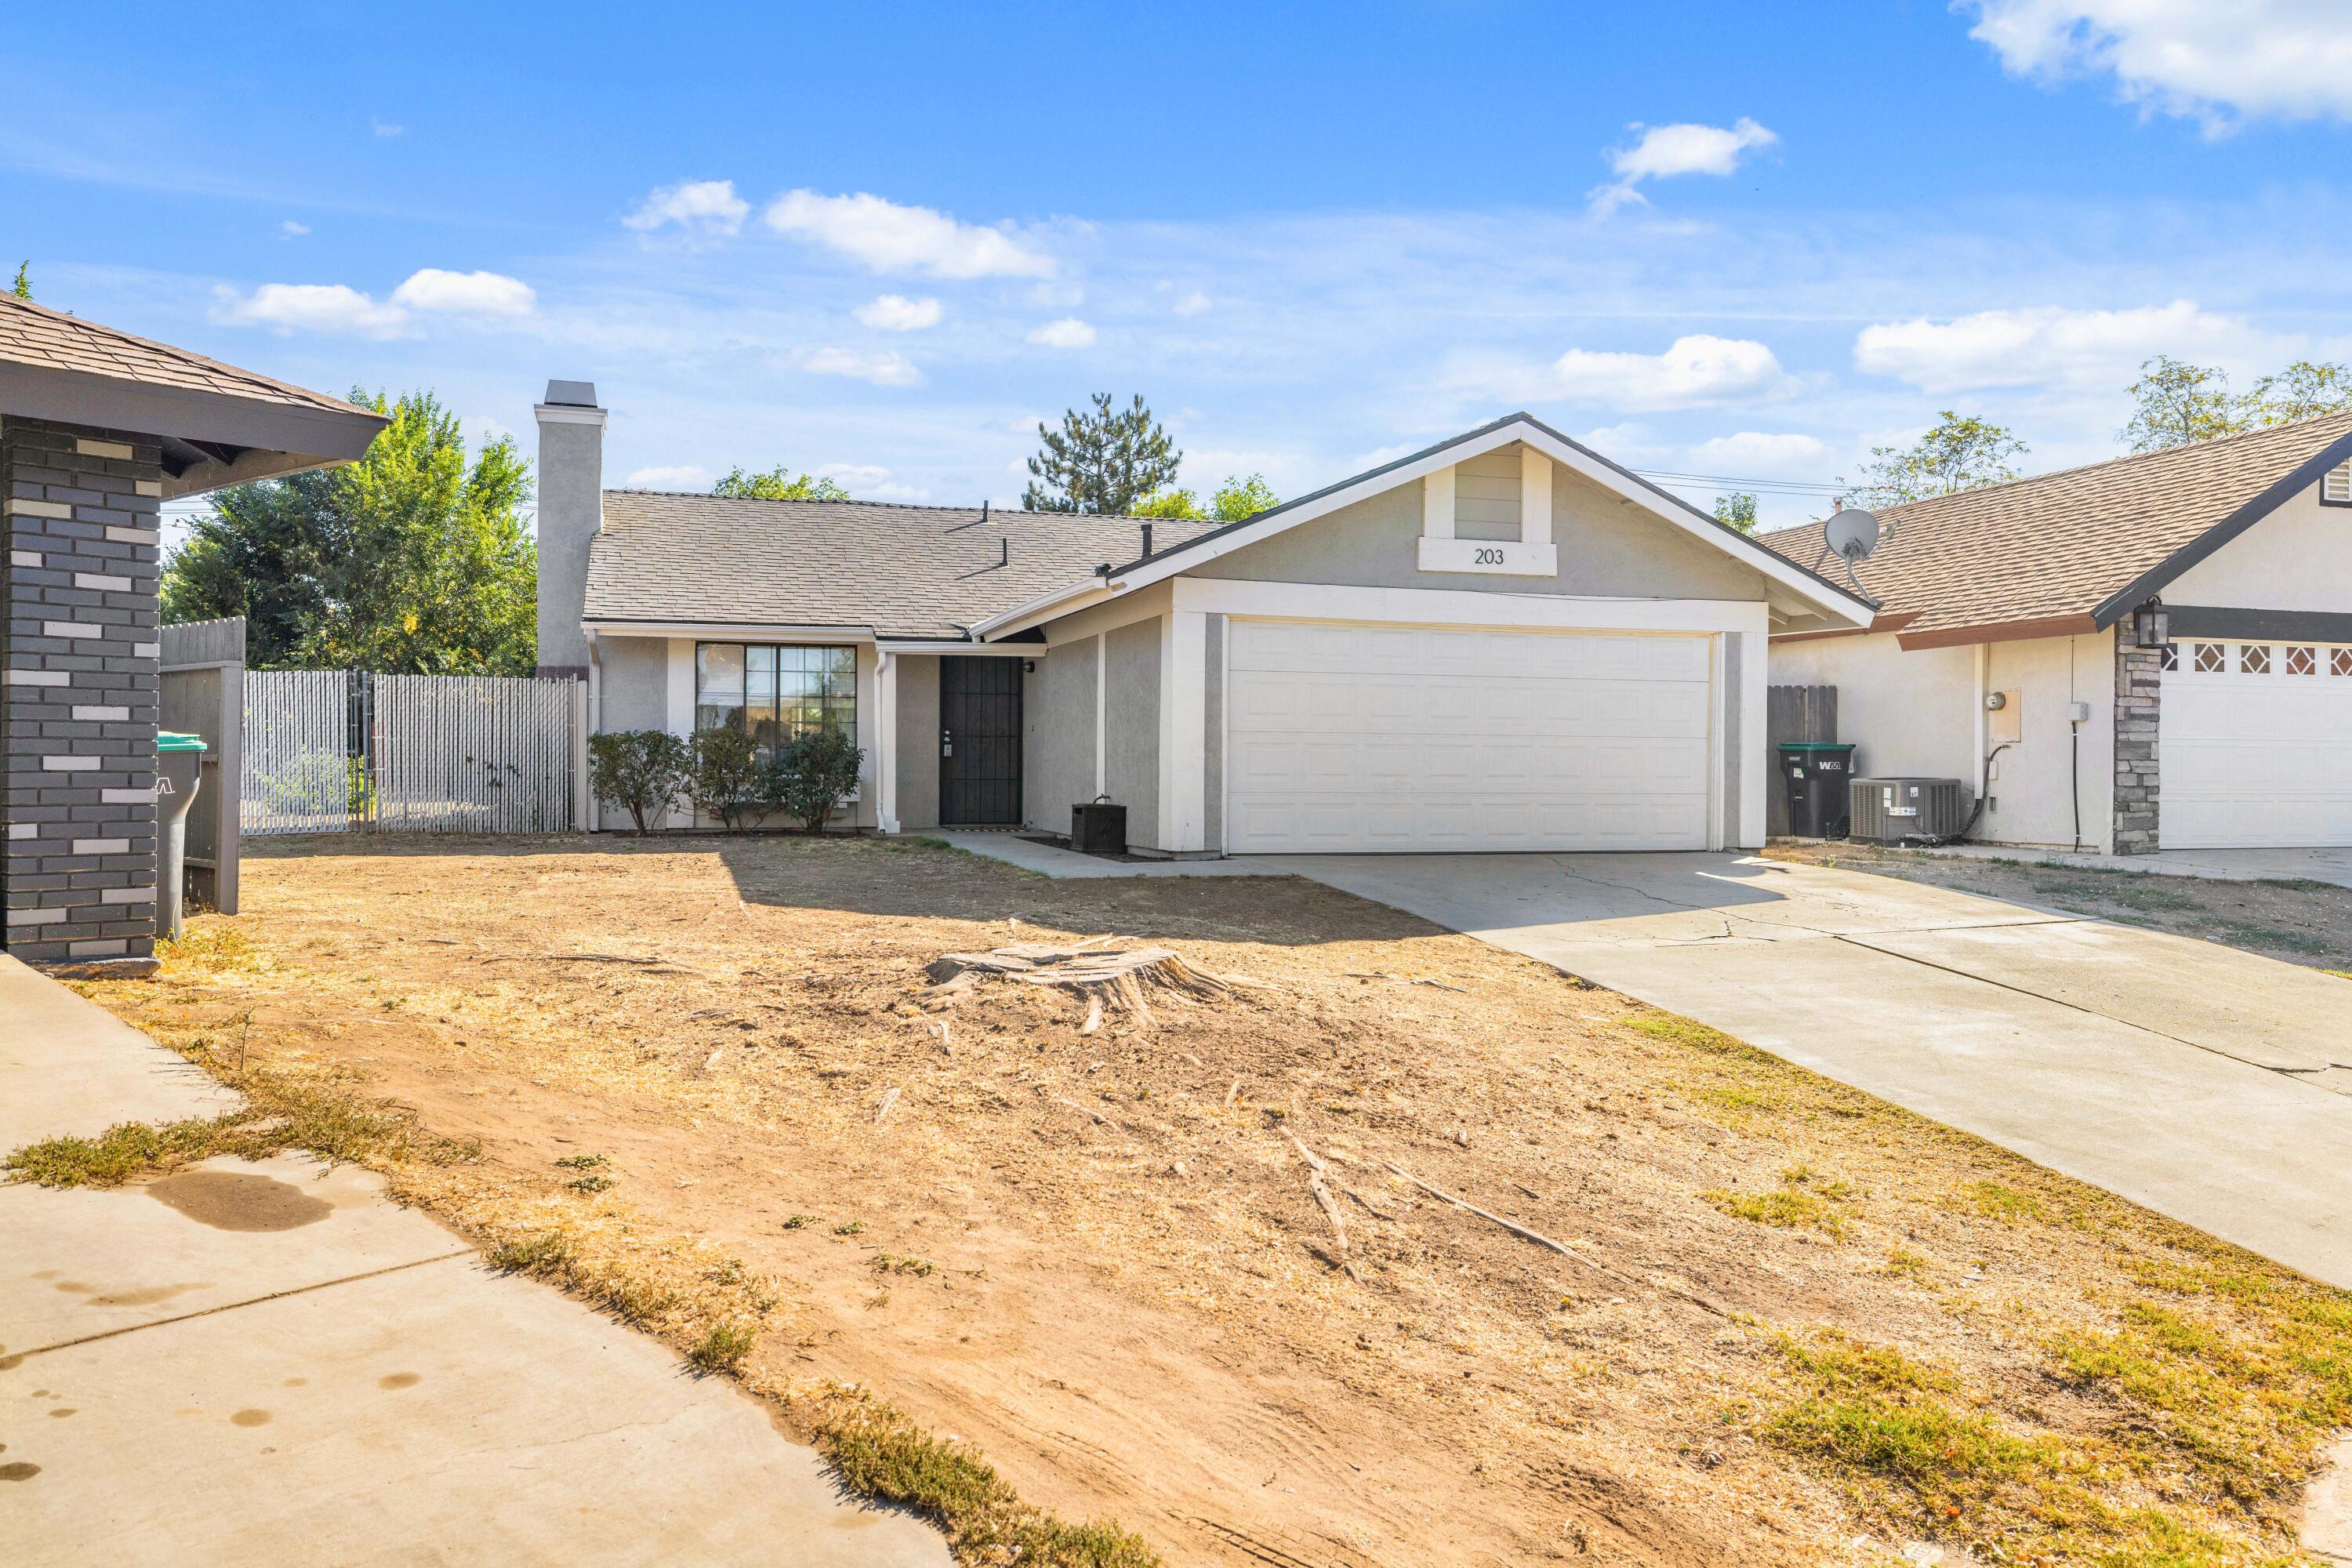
(1889, 811)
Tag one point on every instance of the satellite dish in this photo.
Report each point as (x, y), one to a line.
(1853, 534)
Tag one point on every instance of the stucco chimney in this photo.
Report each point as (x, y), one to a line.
(570, 513)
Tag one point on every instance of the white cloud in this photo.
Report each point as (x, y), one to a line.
(2291, 59)
(897, 313)
(888, 237)
(313, 308)
(1069, 332)
(1763, 454)
(292, 230)
(890, 369)
(1665, 151)
(871, 482)
(466, 293)
(1193, 304)
(698, 206)
(2045, 344)
(678, 477)
(1695, 371)
(381, 129)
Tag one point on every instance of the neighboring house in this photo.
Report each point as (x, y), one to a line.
(1503, 642)
(98, 429)
(2196, 603)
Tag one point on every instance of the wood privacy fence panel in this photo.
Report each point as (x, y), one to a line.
(337, 751)
(1792, 713)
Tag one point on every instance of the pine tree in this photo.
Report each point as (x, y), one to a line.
(1102, 461)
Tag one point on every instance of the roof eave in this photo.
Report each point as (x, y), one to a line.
(2075, 623)
(315, 435)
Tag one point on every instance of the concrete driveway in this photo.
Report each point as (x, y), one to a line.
(2207, 1084)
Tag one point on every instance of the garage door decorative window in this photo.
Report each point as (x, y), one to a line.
(2212, 658)
(2303, 661)
(2254, 659)
(2340, 661)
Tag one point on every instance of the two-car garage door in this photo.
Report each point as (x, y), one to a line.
(1353, 737)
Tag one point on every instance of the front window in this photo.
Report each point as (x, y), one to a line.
(775, 690)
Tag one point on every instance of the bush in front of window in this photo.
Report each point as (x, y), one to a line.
(811, 772)
(725, 776)
(641, 771)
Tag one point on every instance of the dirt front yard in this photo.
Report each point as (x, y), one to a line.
(1791, 1324)
(2298, 921)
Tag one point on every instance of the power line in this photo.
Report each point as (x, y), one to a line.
(1678, 480)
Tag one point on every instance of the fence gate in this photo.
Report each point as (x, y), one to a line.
(338, 751)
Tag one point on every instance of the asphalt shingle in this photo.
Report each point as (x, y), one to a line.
(903, 571)
(42, 339)
(2061, 545)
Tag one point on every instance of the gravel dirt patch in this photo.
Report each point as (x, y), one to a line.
(2305, 922)
(1792, 1324)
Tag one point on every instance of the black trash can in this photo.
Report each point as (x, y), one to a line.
(1816, 773)
(178, 759)
(1098, 827)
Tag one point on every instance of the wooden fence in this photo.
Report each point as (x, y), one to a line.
(342, 750)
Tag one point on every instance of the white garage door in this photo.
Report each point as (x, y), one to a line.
(1346, 737)
(2255, 744)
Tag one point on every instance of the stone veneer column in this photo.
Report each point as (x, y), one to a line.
(78, 692)
(2140, 689)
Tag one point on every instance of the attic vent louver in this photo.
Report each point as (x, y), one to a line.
(2335, 489)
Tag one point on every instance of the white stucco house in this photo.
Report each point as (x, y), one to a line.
(2170, 638)
(1504, 642)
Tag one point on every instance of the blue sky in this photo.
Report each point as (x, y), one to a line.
(882, 242)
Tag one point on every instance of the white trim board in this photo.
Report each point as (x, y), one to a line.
(1465, 607)
(1786, 574)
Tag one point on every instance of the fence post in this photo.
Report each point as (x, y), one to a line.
(583, 804)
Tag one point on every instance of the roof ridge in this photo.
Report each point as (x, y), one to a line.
(910, 506)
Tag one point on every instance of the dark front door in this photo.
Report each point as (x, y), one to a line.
(980, 743)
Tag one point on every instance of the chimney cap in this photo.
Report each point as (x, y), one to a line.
(572, 393)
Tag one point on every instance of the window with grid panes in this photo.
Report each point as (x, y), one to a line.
(776, 690)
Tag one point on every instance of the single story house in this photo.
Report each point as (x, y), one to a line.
(2152, 652)
(1505, 641)
(97, 430)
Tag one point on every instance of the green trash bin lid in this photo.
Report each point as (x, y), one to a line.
(174, 740)
(1817, 745)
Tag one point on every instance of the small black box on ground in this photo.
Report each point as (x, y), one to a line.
(1098, 827)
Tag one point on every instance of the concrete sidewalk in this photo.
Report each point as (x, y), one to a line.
(271, 1362)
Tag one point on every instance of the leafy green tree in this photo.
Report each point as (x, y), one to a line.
(23, 288)
(1238, 499)
(1959, 453)
(778, 484)
(642, 771)
(1737, 511)
(414, 559)
(2174, 402)
(2299, 391)
(1106, 461)
(1235, 500)
(810, 773)
(725, 776)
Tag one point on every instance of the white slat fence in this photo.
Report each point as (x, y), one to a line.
(334, 751)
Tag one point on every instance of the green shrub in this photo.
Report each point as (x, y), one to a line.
(642, 771)
(810, 775)
(725, 776)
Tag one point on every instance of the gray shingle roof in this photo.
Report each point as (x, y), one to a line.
(42, 339)
(2071, 543)
(666, 557)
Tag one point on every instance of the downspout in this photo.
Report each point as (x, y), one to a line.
(1983, 729)
(595, 720)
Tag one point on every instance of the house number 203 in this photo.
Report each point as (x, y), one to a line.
(1486, 558)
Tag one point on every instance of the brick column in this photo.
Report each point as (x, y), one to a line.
(79, 693)
(2139, 691)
